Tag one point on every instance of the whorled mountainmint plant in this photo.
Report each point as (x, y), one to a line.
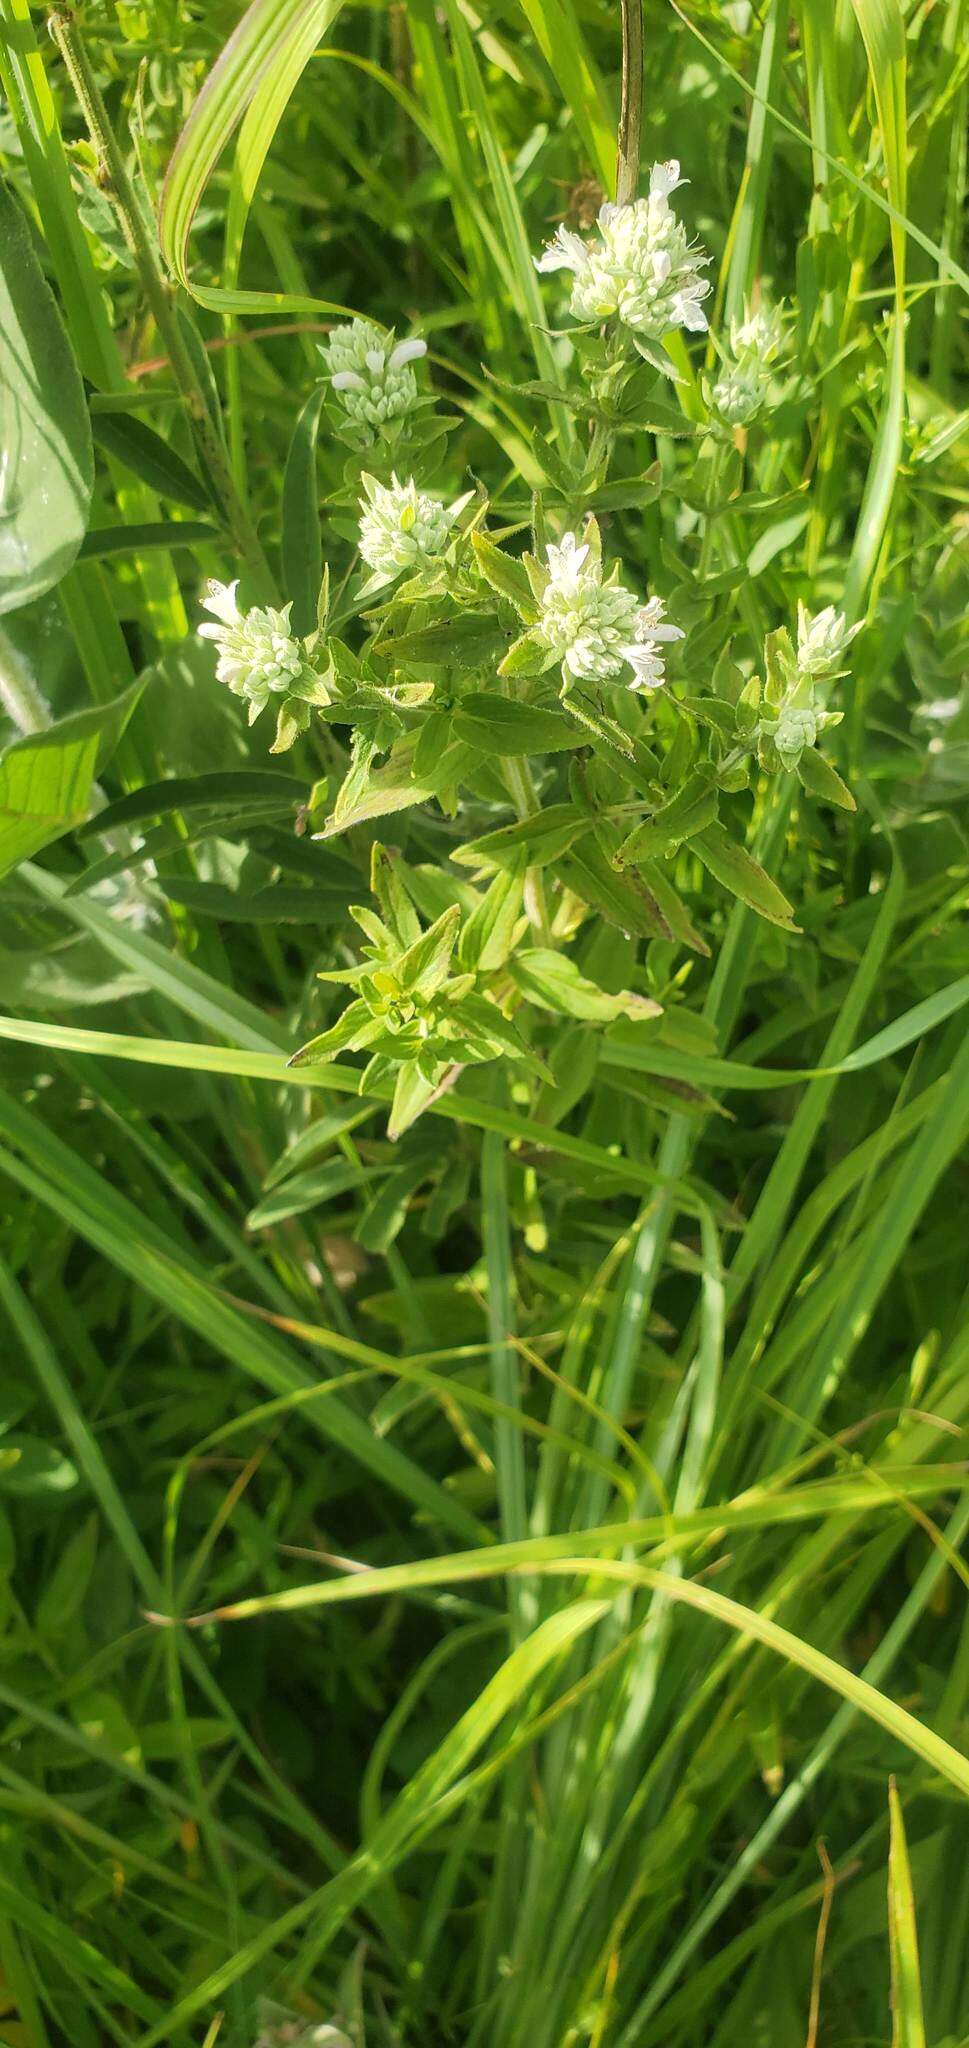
(259, 658)
(596, 627)
(372, 372)
(517, 670)
(403, 527)
(640, 269)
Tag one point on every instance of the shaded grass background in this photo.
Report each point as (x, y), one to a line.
(522, 1807)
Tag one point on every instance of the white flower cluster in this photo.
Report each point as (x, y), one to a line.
(642, 269)
(595, 626)
(402, 527)
(257, 654)
(823, 640)
(755, 346)
(372, 372)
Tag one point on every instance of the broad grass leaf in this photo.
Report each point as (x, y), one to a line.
(48, 471)
(45, 780)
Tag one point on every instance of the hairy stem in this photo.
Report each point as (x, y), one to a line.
(117, 183)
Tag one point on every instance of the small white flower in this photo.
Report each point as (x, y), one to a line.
(823, 640)
(372, 373)
(257, 654)
(641, 270)
(402, 527)
(595, 626)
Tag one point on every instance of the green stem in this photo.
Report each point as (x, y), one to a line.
(631, 105)
(521, 789)
(117, 182)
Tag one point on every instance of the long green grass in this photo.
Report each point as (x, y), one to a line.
(505, 1589)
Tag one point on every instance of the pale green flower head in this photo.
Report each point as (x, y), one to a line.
(257, 655)
(402, 527)
(760, 334)
(822, 641)
(595, 626)
(641, 269)
(371, 372)
(755, 347)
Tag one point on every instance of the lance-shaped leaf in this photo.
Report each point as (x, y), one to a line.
(424, 966)
(743, 876)
(553, 982)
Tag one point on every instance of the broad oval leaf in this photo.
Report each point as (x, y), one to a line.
(46, 465)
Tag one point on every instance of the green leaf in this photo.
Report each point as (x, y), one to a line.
(489, 936)
(39, 1468)
(816, 774)
(67, 1586)
(504, 573)
(464, 641)
(129, 539)
(278, 903)
(137, 447)
(554, 982)
(526, 657)
(48, 471)
(230, 789)
(908, 2021)
(689, 811)
(368, 792)
(625, 900)
(424, 966)
(743, 876)
(384, 1217)
(102, 1718)
(541, 838)
(256, 71)
(45, 780)
(302, 545)
(500, 725)
(304, 1191)
(412, 1094)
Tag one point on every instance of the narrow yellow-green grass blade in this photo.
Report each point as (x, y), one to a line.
(648, 1057)
(883, 31)
(533, 1555)
(259, 1065)
(327, 1909)
(908, 2021)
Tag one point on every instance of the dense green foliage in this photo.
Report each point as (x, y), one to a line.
(483, 1281)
